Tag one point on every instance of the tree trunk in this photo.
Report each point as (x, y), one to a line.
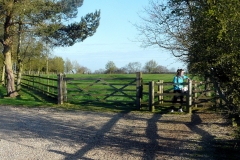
(11, 91)
(20, 67)
(7, 44)
(3, 75)
(19, 75)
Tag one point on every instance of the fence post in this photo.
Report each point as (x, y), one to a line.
(151, 96)
(64, 89)
(39, 82)
(189, 97)
(207, 87)
(53, 88)
(160, 91)
(139, 89)
(195, 93)
(29, 78)
(33, 81)
(218, 100)
(48, 83)
(60, 93)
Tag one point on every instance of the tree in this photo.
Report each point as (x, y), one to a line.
(68, 66)
(110, 67)
(45, 20)
(121, 70)
(150, 66)
(32, 56)
(84, 70)
(134, 67)
(161, 69)
(172, 69)
(99, 71)
(215, 51)
(203, 34)
(56, 64)
(80, 69)
(76, 66)
(166, 24)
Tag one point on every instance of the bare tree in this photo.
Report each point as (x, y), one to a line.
(172, 69)
(161, 26)
(76, 66)
(68, 66)
(83, 70)
(161, 69)
(150, 66)
(122, 70)
(204, 34)
(99, 71)
(133, 67)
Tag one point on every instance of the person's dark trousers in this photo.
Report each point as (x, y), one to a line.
(175, 98)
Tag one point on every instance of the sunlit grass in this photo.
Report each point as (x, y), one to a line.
(31, 98)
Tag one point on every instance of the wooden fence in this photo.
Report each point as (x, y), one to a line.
(134, 90)
(195, 95)
(43, 84)
(66, 89)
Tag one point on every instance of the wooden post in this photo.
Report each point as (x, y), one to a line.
(151, 96)
(60, 93)
(39, 82)
(48, 83)
(218, 100)
(42, 85)
(207, 87)
(33, 81)
(195, 93)
(29, 78)
(53, 83)
(64, 89)
(189, 97)
(160, 91)
(139, 89)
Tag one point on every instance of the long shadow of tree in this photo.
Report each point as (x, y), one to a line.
(207, 139)
(95, 140)
(153, 146)
(92, 137)
(212, 148)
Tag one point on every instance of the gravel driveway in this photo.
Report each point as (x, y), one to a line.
(48, 134)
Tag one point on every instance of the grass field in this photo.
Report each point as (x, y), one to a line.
(31, 98)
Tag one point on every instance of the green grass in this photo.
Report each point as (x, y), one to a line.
(146, 77)
(27, 98)
(30, 98)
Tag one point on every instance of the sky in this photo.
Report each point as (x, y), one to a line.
(115, 38)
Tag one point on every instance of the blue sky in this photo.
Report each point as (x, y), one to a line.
(115, 39)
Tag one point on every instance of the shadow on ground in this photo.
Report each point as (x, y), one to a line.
(145, 137)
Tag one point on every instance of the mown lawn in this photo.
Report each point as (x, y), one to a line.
(30, 98)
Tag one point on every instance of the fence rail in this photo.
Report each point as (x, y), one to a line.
(194, 95)
(117, 90)
(43, 84)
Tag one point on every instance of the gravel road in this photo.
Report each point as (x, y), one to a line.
(50, 134)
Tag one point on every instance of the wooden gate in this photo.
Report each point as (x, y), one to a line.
(204, 94)
(107, 90)
(198, 94)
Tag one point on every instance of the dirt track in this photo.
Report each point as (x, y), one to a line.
(50, 134)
